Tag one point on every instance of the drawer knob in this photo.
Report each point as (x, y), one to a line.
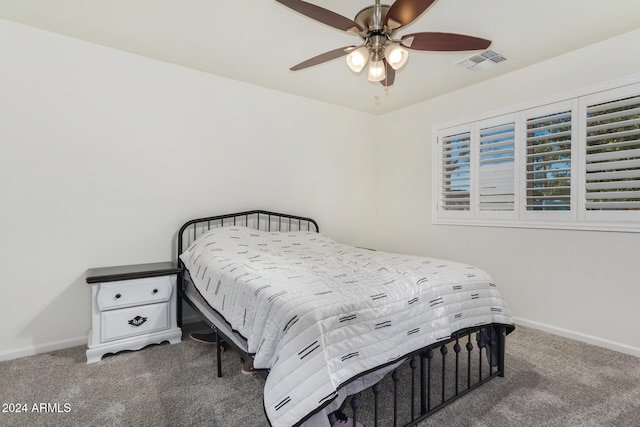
(118, 296)
(137, 321)
(155, 291)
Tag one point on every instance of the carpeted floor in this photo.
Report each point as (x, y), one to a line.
(550, 381)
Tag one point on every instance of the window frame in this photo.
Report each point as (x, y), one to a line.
(486, 124)
(439, 169)
(577, 216)
(545, 215)
(596, 216)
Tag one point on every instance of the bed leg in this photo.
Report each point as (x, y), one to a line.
(179, 310)
(218, 354)
(502, 340)
(179, 300)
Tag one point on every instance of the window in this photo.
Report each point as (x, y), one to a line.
(548, 162)
(574, 163)
(496, 157)
(612, 159)
(456, 172)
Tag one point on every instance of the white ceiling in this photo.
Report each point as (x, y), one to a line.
(257, 41)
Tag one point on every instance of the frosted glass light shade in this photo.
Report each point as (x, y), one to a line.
(357, 59)
(377, 70)
(396, 55)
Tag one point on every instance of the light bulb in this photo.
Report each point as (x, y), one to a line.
(357, 59)
(396, 55)
(377, 70)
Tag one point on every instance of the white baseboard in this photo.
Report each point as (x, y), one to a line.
(589, 339)
(192, 317)
(43, 348)
(189, 316)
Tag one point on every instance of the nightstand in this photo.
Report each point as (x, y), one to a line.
(132, 306)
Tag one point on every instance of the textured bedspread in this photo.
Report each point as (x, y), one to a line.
(318, 313)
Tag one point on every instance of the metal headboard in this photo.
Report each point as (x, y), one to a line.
(257, 219)
(260, 220)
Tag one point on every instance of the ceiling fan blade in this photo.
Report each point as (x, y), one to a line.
(323, 57)
(323, 15)
(404, 12)
(443, 42)
(390, 74)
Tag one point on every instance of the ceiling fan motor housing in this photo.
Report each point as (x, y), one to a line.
(374, 34)
(366, 17)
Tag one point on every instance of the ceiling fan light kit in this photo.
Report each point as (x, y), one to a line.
(376, 26)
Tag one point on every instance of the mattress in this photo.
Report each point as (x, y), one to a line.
(319, 314)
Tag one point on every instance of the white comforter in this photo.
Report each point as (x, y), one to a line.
(318, 313)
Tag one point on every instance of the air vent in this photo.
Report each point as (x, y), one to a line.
(482, 61)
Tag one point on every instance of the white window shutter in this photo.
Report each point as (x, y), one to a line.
(496, 171)
(569, 162)
(455, 179)
(548, 161)
(612, 179)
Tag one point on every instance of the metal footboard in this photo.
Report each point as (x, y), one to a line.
(431, 378)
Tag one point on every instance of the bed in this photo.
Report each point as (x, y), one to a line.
(325, 322)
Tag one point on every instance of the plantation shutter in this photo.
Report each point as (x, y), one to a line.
(612, 181)
(496, 168)
(569, 164)
(548, 162)
(456, 172)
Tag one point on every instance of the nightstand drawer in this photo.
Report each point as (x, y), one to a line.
(128, 293)
(117, 324)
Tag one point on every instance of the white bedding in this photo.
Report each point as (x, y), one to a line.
(318, 313)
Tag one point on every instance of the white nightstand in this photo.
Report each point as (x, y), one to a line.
(131, 307)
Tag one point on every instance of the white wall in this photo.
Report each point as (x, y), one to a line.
(103, 155)
(582, 284)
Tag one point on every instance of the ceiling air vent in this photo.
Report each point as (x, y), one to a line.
(482, 61)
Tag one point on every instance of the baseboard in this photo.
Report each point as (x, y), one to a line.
(189, 317)
(192, 317)
(43, 348)
(589, 339)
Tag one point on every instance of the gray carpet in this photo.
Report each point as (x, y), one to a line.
(550, 381)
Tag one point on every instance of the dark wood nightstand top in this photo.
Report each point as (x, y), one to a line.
(129, 272)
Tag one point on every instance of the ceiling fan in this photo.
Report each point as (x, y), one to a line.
(376, 25)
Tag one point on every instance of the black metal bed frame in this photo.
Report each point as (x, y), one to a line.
(431, 378)
(428, 379)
